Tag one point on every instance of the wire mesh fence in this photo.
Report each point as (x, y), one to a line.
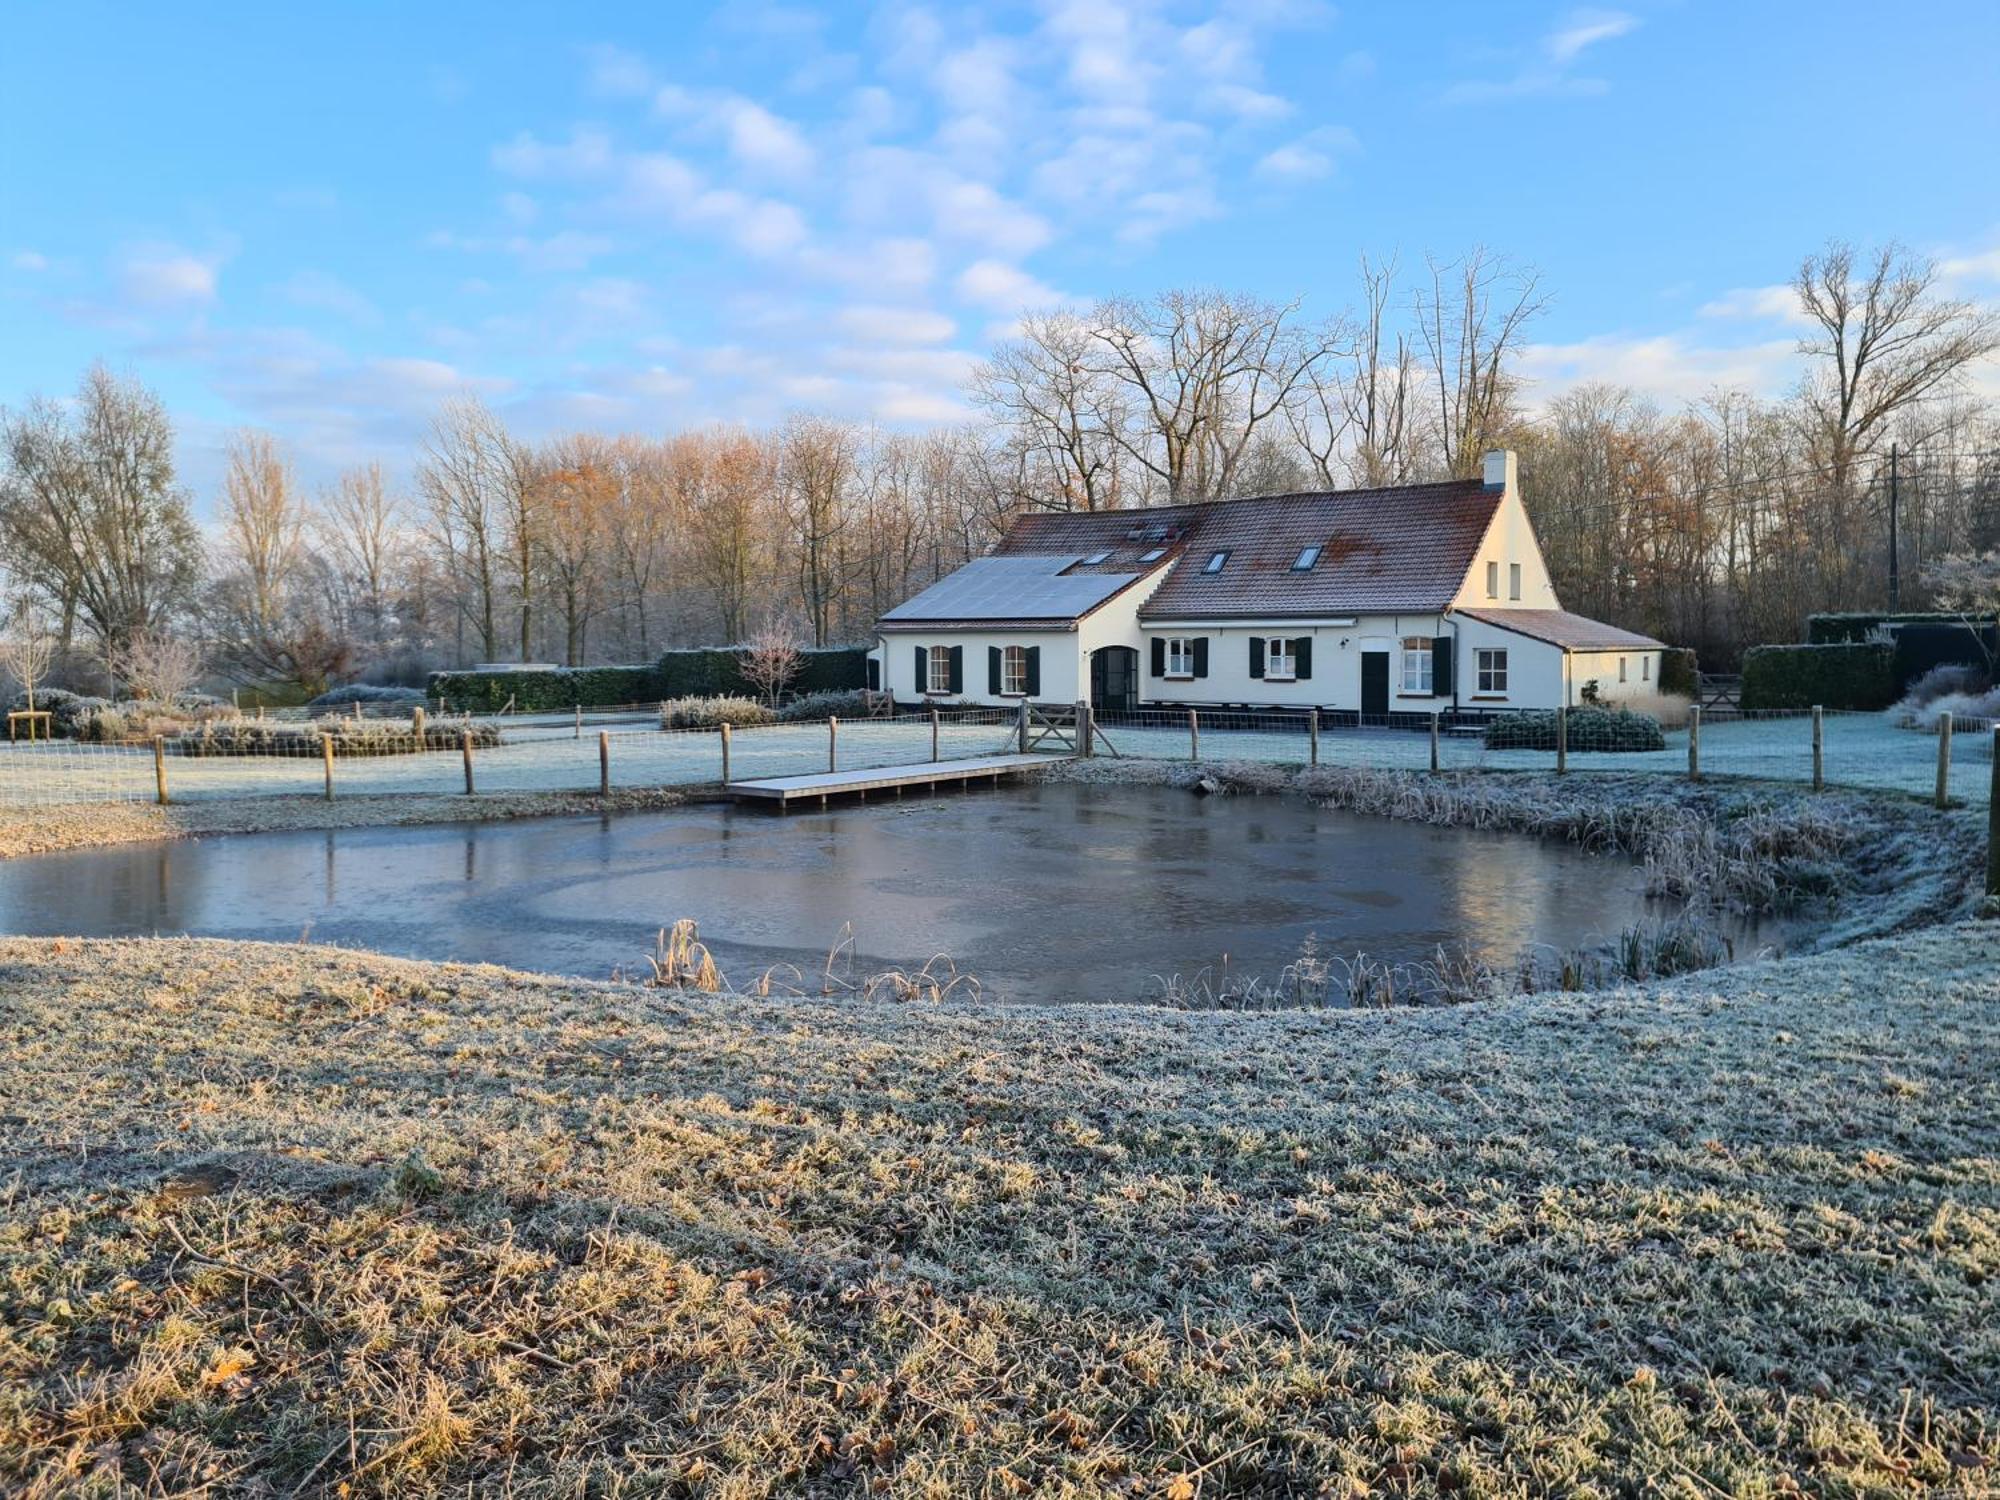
(626, 749)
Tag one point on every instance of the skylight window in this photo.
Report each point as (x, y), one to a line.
(1095, 558)
(1215, 562)
(1153, 556)
(1304, 562)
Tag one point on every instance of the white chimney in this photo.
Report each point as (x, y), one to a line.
(1500, 469)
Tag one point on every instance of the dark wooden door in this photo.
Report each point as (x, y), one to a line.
(1114, 678)
(1374, 684)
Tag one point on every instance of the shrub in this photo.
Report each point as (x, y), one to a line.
(1680, 673)
(67, 711)
(1860, 675)
(368, 692)
(857, 704)
(1589, 729)
(703, 672)
(1962, 691)
(351, 738)
(712, 713)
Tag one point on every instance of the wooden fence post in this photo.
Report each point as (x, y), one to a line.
(1562, 740)
(160, 770)
(1086, 732)
(579, 721)
(417, 726)
(832, 742)
(1194, 736)
(1312, 725)
(1993, 822)
(1435, 716)
(1944, 761)
(934, 736)
(465, 748)
(1819, 749)
(326, 756)
(604, 763)
(1021, 726)
(725, 753)
(1694, 743)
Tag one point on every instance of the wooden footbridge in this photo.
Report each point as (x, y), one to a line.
(1041, 737)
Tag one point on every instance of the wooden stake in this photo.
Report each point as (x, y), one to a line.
(604, 763)
(1944, 761)
(1435, 716)
(1694, 743)
(465, 745)
(832, 742)
(1194, 736)
(1312, 729)
(160, 770)
(1562, 741)
(1993, 823)
(1085, 731)
(725, 755)
(417, 726)
(1021, 725)
(934, 736)
(1819, 749)
(326, 756)
(579, 721)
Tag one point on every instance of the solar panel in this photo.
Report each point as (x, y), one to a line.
(1012, 588)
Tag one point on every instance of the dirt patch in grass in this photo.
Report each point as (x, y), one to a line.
(83, 825)
(277, 1219)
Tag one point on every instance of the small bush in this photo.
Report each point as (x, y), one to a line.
(1859, 675)
(712, 713)
(858, 704)
(1589, 729)
(1680, 675)
(368, 692)
(352, 738)
(1964, 692)
(67, 711)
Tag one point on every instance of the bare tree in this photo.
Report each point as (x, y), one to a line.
(578, 485)
(816, 463)
(28, 650)
(90, 512)
(1471, 320)
(1883, 338)
(772, 660)
(459, 481)
(156, 666)
(359, 530)
(1049, 388)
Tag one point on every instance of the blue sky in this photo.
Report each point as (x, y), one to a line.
(325, 219)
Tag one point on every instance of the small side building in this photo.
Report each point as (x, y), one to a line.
(1370, 603)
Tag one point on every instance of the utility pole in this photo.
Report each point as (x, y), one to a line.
(1895, 500)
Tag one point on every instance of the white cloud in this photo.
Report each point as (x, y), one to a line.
(1310, 156)
(1585, 28)
(618, 74)
(519, 208)
(1756, 304)
(327, 293)
(1670, 366)
(1548, 70)
(587, 153)
(876, 324)
(1004, 288)
(758, 138)
(165, 276)
(28, 260)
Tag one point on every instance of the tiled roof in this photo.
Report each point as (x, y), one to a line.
(1561, 628)
(1042, 588)
(1406, 548)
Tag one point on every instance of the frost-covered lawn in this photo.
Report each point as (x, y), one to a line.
(285, 1220)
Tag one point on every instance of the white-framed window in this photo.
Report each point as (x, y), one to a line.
(938, 670)
(1492, 662)
(1493, 580)
(1279, 663)
(1180, 656)
(1513, 580)
(1621, 669)
(1645, 669)
(1014, 670)
(1416, 664)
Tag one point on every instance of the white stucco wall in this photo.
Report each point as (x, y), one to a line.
(1642, 674)
(1062, 660)
(1509, 539)
(1336, 664)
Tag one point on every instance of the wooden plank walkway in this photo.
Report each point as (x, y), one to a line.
(824, 784)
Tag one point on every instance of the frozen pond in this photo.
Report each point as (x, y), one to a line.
(1051, 892)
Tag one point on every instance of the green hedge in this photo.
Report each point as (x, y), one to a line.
(1855, 626)
(1849, 675)
(704, 672)
(1588, 729)
(1679, 673)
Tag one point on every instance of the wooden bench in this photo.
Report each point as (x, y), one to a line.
(31, 717)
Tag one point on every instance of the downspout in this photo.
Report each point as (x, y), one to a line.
(1451, 619)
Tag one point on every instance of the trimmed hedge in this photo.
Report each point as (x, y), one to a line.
(367, 692)
(704, 672)
(1850, 675)
(1679, 672)
(1853, 627)
(1589, 729)
(1922, 648)
(351, 738)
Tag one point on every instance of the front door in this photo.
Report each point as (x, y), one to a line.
(1114, 678)
(1374, 684)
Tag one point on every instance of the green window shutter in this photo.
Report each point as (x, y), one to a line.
(958, 669)
(993, 670)
(1034, 671)
(1302, 656)
(1159, 656)
(1256, 656)
(1201, 656)
(923, 670)
(1441, 666)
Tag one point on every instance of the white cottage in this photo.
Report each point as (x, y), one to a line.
(1416, 599)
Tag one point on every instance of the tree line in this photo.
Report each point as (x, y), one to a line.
(1717, 525)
